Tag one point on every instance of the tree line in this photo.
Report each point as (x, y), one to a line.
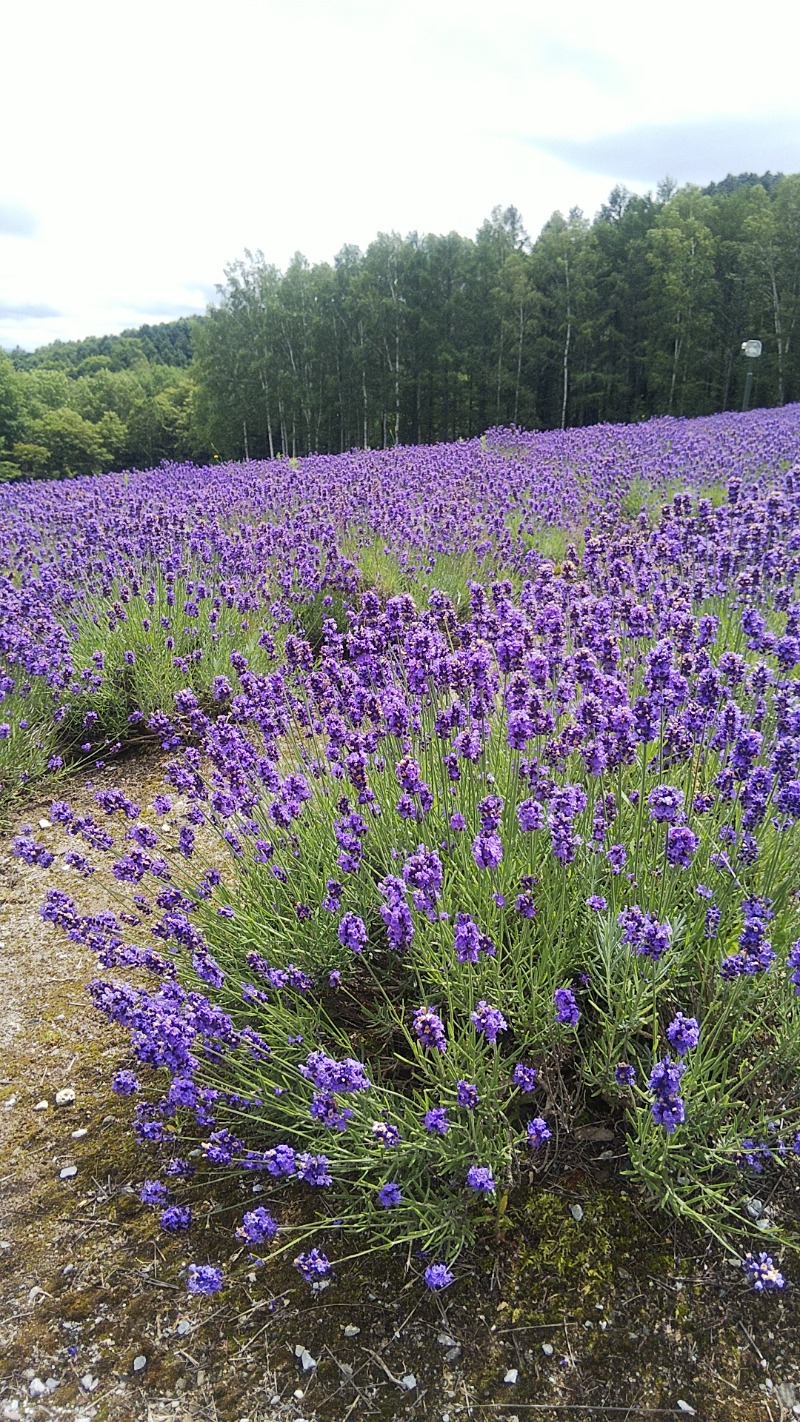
(641, 311)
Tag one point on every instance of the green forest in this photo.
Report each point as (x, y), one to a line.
(640, 312)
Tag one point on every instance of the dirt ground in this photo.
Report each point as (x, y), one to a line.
(615, 1314)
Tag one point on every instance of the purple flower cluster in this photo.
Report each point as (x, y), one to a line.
(429, 1029)
(648, 937)
(488, 1021)
(668, 1108)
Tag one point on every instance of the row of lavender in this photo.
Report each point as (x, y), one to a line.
(477, 867)
(117, 592)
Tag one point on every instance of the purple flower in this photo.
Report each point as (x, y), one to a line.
(280, 1160)
(176, 1218)
(436, 1121)
(313, 1170)
(423, 873)
(26, 848)
(457, 822)
(487, 850)
(469, 942)
(204, 1279)
(624, 1074)
(538, 1132)
(525, 906)
(681, 846)
(333, 896)
(668, 1109)
(711, 922)
(646, 935)
(352, 933)
(328, 1074)
(530, 815)
(683, 1033)
(597, 902)
(467, 1095)
(666, 804)
(258, 1226)
(429, 1029)
(490, 811)
(567, 1011)
(396, 913)
(438, 1276)
(480, 1179)
(124, 1083)
(313, 1266)
(488, 1021)
(390, 1195)
(762, 1273)
(385, 1133)
(329, 1112)
(525, 1078)
(617, 857)
(153, 1193)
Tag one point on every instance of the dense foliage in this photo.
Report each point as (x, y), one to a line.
(482, 816)
(111, 402)
(433, 338)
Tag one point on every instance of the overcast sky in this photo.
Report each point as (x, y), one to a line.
(147, 144)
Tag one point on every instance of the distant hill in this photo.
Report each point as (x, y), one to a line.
(169, 343)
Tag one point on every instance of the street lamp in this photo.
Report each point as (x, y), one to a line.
(751, 349)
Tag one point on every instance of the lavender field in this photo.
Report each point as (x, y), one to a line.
(479, 829)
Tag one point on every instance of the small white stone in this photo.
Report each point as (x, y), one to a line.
(80, 1133)
(409, 1382)
(68, 1172)
(88, 1383)
(41, 1105)
(65, 1097)
(547, 1349)
(182, 1326)
(511, 1376)
(685, 1407)
(577, 1213)
(351, 1330)
(37, 1388)
(45, 824)
(51, 1384)
(139, 1363)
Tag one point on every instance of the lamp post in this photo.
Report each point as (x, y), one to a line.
(751, 349)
